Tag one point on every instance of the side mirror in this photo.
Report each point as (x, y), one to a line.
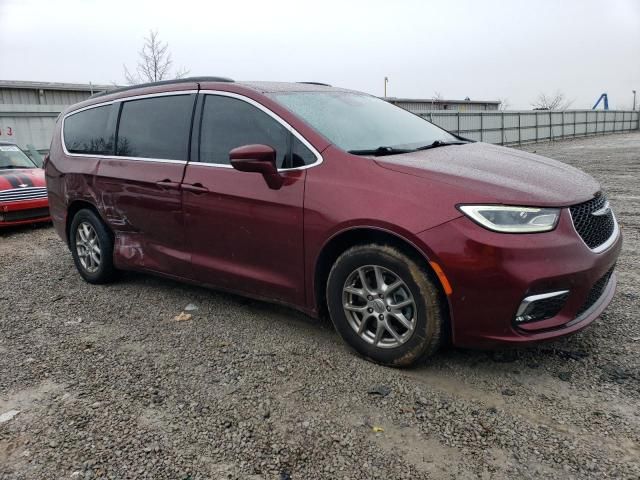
(259, 159)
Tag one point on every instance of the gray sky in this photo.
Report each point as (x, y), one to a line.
(485, 49)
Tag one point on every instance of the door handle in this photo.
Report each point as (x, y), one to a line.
(196, 188)
(168, 184)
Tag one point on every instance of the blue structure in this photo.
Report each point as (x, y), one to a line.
(606, 102)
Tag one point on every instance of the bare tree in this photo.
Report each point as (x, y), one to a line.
(504, 104)
(437, 98)
(154, 64)
(557, 101)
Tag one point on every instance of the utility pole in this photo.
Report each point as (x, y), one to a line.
(386, 80)
(634, 100)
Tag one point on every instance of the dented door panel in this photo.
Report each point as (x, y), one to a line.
(142, 202)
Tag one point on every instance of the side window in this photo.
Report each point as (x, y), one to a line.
(156, 127)
(228, 123)
(90, 131)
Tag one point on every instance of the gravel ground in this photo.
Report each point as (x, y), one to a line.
(109, 385)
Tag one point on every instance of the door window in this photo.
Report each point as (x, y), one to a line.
(156, 127)
(229, 122)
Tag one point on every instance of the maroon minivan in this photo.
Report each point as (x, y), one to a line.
(333, 201)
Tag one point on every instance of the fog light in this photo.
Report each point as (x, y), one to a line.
(540, 307)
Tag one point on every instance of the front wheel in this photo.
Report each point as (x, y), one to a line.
(385, 305)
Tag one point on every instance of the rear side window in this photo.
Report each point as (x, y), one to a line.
(156, 127)
(90, 131)
(229, 122)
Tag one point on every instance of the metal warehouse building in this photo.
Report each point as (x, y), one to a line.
(28, 110)
(417, 105)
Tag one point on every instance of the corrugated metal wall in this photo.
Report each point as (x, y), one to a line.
(36, 131)
(18, 96)
(28, 115)
(64, 97)
(424, 106)
(29, 124)
(33, 96)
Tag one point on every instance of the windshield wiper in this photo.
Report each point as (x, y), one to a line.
(438, 143)
(381, 151)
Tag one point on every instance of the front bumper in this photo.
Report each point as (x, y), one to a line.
(492, 273)
(24, 212)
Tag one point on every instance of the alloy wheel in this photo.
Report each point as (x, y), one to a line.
(88, 247)
(379, 306)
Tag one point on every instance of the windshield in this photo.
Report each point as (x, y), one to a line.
(12, 157)
(354, 121)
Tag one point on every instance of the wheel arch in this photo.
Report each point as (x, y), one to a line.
(345, 239)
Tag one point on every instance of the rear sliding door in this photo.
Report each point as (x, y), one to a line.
(140, 185)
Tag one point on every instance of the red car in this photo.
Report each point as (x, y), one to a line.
(331, 200)
(23, 194)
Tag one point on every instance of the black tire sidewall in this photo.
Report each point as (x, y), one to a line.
(401, 265)
(106, 270)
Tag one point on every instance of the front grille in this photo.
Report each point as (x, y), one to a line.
(596, 292)
(593, 229)
(28, 193)
(29, 214)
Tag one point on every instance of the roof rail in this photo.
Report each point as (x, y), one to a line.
(316, 83)
(164, 82)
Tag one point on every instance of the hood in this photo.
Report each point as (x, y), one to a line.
(498, 174)
(21, 178)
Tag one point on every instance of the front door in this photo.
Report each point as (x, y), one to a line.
(242, 235)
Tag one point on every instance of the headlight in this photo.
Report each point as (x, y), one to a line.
(513, 219)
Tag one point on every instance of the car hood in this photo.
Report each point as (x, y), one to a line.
(498, 174)
(21, 178)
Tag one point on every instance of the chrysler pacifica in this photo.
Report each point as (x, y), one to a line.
(334, 202)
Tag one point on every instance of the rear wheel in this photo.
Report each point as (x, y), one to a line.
(92, 247)
(385, 305)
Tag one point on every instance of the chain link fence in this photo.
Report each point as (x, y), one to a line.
(517, 127)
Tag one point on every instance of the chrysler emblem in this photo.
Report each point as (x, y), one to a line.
(602, 211)
(23, 185)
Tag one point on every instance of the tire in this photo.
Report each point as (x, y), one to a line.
(427, 312)
(102, 271)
